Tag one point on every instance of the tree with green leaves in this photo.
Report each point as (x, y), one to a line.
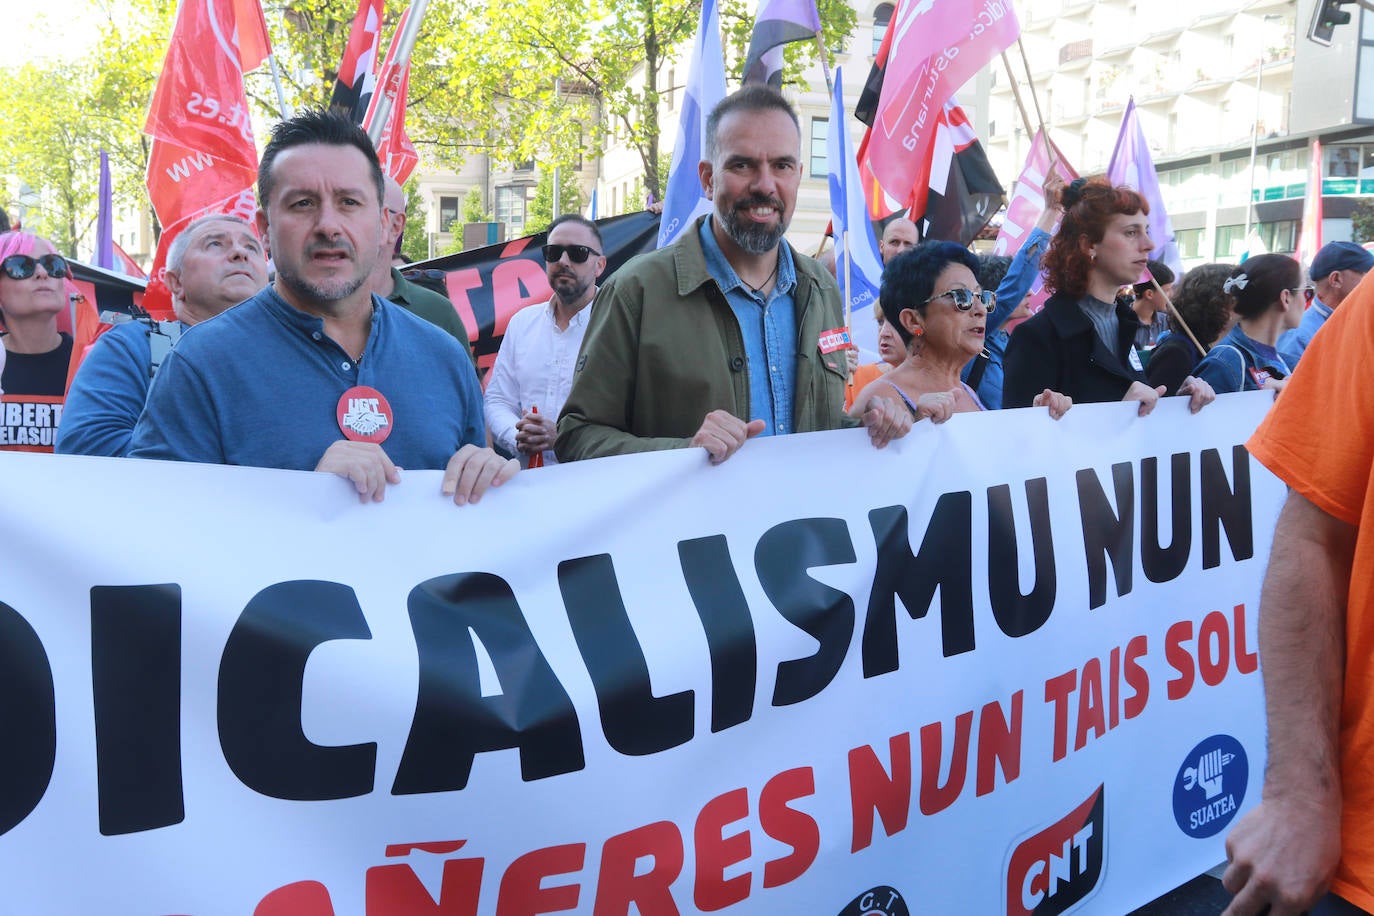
(539, 213)
(548, 81)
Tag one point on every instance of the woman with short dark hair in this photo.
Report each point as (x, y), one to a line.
(1082, 342)
(931, 298)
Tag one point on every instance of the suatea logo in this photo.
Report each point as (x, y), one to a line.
(1059, 866)
(1210, 786)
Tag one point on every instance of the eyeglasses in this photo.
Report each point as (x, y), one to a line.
(963, 299)
(1308, 293)
(21, 266)
(578, 254)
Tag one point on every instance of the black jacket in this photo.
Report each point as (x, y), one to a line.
(1057, 348)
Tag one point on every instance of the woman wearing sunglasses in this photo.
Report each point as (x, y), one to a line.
(1269, 299)
(33, 292)
(1082, 342)
(931, 298)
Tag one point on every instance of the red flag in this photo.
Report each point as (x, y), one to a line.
(394, 149)
(353, 89)
(203, 157)
(934, 48)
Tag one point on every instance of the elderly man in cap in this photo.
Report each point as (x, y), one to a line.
(1336, 271)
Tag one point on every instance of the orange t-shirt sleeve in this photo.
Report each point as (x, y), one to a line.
(1319, 436)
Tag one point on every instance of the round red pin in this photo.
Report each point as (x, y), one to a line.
(365, 415)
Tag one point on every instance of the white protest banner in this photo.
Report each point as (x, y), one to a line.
(971, 679)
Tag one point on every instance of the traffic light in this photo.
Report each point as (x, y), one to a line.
(1325, 17)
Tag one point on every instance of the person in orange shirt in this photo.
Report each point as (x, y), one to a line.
(1314, 827)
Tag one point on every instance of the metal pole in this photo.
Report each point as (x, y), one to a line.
(405, 43)
(1254, 146)
(557, 94)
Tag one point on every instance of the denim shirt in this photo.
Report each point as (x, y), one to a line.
(769, 327)
(1294, 341)
(1226, 367)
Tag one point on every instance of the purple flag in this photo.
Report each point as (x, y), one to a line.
(104, 221)
(1132, 166)
(777, 23)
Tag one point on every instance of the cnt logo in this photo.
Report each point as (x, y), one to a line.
(1210, 786)
(1060, 865)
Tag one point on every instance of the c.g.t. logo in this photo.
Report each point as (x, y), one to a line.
(1060, 865)
(1210, 786)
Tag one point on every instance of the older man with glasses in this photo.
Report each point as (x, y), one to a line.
(1336, 271)
(534, 368)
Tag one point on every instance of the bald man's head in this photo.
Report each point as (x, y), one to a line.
(393, 216)
(900, 235)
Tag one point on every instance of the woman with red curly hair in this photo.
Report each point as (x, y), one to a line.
(1082, 342)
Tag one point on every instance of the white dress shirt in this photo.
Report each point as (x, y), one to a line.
(534, 368)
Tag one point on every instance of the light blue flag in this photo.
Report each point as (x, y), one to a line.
(848, 211)
(1132, 166)
(684, 200)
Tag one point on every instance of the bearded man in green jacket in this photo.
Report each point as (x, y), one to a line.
(722, 335)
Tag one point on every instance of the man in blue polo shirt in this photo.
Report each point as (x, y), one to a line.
(315, 372)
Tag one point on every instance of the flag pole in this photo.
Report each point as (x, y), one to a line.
(405, 43)
(1030, 83)
(848, 308)
(825, 63)
(1016, 94)
(276, 82)
(1035, 100)
(1173, 313)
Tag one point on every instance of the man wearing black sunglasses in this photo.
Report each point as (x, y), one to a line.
(533, 372)
(723, 335)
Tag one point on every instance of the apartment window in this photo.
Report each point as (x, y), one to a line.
(882, 17)
(1189, 242)
(1230, 242)
(1341, 162)
(1279, 236)
(510, 209)
(820, 137)
(671, 90)
(526, 166)
(448, 213)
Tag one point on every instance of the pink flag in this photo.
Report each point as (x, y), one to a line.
(935, 49)
(1310, 235)
(1028, 196)
(1027, 204)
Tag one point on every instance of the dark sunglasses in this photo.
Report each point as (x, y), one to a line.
(963, 298)
(578, 254)
(21, 266)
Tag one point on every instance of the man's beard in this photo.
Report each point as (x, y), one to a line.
(755, 238)
(333, 290)
(569, 294)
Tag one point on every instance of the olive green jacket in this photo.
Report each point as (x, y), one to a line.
(663, 349)
(429, 305)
